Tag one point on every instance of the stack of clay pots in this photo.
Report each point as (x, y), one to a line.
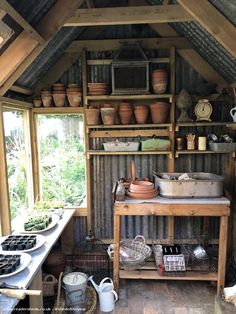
(141, 113)
(159, 111)
(74, 95)
(142, 190)
(159, 81)
(108, 114)
(46, 96)
(59, 94)
(37, 102)
(97, 89)
(125, 112)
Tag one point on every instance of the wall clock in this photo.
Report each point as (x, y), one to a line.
(203, 110)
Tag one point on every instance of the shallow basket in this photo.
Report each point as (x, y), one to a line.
(118, 146)
(138, 253)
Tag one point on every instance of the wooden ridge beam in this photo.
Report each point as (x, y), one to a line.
(129, 15)
(214, 22)
(5, 6)
(114, 44)
(47, 28)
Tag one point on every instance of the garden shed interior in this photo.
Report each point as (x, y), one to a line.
(80, 83)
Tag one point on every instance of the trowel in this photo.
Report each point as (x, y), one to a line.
(19, 294)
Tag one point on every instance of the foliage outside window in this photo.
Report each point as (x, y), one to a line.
(19, 170)
(61, 158)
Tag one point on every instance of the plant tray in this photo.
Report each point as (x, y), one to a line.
(155, 145)
(121, 146)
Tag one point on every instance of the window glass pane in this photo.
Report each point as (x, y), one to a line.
(18, 163)
(61, 158)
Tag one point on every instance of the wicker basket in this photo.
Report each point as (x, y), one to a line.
(49, 282)
(133, 253)
(89, 305)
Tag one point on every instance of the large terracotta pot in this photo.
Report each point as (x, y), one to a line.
(159, 81)
(92, 116)
(46, 98)
(159, 112)
(108, 115)
(74, 98)
(55, 263)
(59, 98)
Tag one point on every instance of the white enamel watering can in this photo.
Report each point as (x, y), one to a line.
(233, 113)
(106, 293)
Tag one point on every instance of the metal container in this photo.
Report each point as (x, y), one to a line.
(200, 184)
(223, 147)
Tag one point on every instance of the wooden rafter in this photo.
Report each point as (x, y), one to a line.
(214, 22)
(5, 6)
(47, 28)
(65, 62)
(2, 13)
(129, 15)
(114, 44)
(21, 90)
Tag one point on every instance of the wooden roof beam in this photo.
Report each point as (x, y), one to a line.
(21, 90)
(129, 15)
(114, 44)
(213, 21)
(5, 6)
(18, 62)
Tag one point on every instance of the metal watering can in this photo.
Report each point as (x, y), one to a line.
(106, 293)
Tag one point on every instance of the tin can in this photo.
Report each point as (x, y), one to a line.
(202, 143)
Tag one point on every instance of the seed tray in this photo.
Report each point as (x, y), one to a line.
(9, 263)
(19, 242)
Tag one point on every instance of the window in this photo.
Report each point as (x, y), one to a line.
(18, 156)
(61, 157)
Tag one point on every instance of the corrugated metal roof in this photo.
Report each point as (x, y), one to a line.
(202, 41)
(34, 10)
(49, 56)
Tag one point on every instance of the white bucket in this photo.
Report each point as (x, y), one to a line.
(75, 287)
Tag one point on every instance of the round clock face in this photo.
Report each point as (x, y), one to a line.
(203, 109)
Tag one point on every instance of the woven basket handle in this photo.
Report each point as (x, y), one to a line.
(50, 278)
(139, 238)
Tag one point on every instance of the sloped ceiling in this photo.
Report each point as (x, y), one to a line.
(203, 42)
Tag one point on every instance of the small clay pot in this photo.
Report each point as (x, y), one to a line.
(92, 116)
(125, 116)
(55, 263)
(47, 100)
(37, 102)
(159, 112)
(108, 115)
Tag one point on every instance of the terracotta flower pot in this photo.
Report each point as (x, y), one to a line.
(159, 81)
(141, 115)
(74, 99)
(125, 116)
(47, 100)
(108, 115)
(159, 112)
(92, 116)
(59, 98)
(37, 102)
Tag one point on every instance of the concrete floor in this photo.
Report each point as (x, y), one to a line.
(164, 297)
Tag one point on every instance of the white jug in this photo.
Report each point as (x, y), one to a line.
(107, 298)
(233, 113)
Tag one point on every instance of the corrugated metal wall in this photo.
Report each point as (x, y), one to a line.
(106, 170)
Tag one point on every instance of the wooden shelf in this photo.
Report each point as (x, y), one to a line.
(102, 152)
(129, 126)
(130, 97)
(59, 110)
(206, 124)
(109, 61)
(197, 152)
(153, 274)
